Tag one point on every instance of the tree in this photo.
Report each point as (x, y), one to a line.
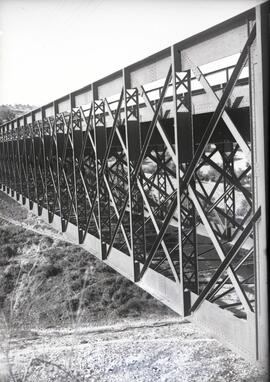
(6, 114)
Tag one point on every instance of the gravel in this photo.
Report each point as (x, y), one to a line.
(145, 350)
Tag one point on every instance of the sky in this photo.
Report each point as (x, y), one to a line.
(49, 48)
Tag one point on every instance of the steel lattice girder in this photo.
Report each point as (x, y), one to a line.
(124, 175)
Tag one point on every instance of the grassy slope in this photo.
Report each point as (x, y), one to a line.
(46, 282)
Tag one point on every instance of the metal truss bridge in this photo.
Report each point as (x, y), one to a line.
(159, 171)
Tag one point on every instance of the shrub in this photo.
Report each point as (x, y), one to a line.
(52, 271)
(48, 270)
(243, 209)
(132, 307)
(213, 175)
(206, 178)
(73, 304)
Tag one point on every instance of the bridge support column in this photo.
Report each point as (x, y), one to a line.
(133, 146)
(103, 198)
(78, 200)
(12, 181)
(46, 134)
(36, 151)
(15, 159)
(57, 132)
(184, 150)
(259, 72)
(28, 151)
(5, 160)
(20, 165)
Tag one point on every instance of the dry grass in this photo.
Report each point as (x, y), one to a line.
(47, 282)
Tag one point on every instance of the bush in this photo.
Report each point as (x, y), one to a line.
(52, 271)
(213, 175)
(73, 304)
(132, 307)
(243, 209)
(7, 252)
(47, 270)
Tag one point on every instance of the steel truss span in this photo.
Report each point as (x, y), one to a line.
(159, 170)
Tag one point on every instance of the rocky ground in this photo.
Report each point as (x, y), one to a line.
(66, 316)
(169, 350)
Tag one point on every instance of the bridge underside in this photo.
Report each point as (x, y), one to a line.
(155, 170)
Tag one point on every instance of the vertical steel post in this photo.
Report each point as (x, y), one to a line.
(55, 138)
(25, 160)
(7, 165)
(103, 199)
(1, 137)
(5, 160)
(176, 67)
(259, 72)
(9, 160)
(44, 134)
(32, 134)
(184, 146)
(2, 157)
(75, 190)
(43, 158)
(19, 146)
(133, 145)
(14, 157)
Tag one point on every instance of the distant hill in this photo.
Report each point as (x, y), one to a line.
(9, 112)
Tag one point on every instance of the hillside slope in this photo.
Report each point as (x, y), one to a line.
(9, 112)
(46, 281)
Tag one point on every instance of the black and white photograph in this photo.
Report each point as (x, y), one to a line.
(134, 201)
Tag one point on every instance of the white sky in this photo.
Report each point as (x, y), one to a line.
(49, 48)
